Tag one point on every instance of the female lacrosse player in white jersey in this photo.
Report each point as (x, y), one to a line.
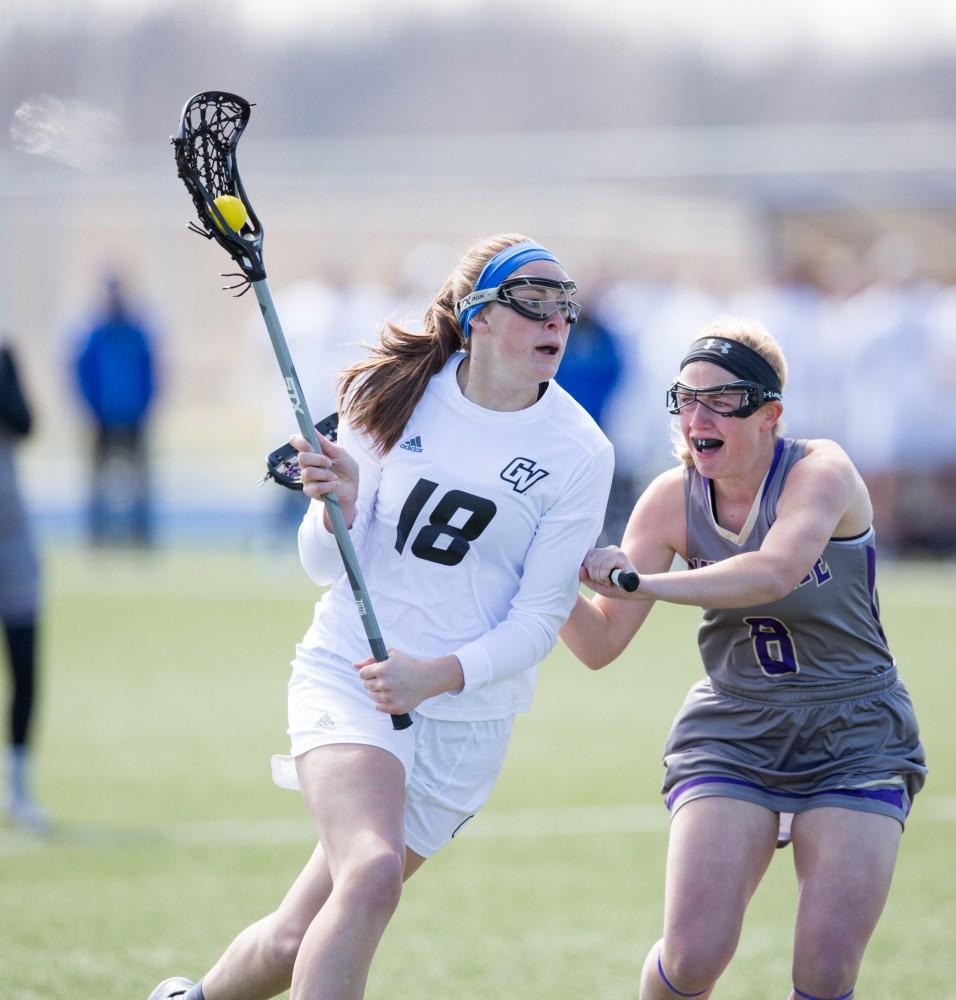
(473, 486)
(802, 711)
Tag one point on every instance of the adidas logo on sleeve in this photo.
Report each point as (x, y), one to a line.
(413, 444)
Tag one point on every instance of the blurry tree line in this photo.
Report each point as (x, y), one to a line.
(461, 73)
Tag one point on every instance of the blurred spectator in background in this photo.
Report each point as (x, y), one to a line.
(870, 341)
(591, 370)
(326, 322)
(115, 376)
(651, 317)
(877, 331)
(19, 596)
(591, 367)
(791, 306)
(907, 337)
(928, 508)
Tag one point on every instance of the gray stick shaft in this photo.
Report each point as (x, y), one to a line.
(334, 510)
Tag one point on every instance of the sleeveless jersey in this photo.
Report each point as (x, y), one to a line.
(827, 631)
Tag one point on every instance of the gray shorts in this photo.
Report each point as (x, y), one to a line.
(853, 745)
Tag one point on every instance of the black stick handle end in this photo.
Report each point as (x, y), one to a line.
(625, 579)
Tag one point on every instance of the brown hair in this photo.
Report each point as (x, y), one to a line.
(757, 338)
(380, 392)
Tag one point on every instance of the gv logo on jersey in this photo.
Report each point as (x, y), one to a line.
(522, 474)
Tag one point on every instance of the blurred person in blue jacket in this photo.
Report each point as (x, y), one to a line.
(591, 371)
(115, 375)
(591, 367)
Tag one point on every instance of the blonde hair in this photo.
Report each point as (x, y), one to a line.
(380, 392)
(753, 335)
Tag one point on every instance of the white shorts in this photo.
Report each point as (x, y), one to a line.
(450, 767)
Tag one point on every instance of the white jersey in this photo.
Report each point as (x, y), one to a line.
(469, 532)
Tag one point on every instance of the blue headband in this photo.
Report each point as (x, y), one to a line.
(503, 263)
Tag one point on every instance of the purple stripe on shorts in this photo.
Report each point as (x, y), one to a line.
(893, 796)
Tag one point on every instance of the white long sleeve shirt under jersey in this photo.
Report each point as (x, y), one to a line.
(469, 532)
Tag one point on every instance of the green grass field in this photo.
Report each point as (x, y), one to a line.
(164, 695)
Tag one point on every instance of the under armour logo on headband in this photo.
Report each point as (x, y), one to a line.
(736, 357)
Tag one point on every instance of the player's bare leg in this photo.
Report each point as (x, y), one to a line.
(356, 795)
(844, 861)
(718, 850)
(258, 964)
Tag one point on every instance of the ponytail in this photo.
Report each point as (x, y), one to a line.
(380, 393)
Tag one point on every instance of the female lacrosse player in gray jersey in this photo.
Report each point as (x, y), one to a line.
(802, 711)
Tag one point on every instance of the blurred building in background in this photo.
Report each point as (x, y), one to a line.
(813, 194)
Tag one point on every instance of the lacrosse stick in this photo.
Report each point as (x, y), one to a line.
(205, 148)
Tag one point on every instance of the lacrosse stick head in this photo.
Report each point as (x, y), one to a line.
(283, 463)
(205, 148)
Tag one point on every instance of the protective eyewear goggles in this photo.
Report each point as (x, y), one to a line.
(734, 399)
(535, 298)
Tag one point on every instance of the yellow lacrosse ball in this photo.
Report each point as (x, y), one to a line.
(233, 211)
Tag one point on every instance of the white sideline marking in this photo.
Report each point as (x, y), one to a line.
(492, 823)
(569, 821)
(561, 821)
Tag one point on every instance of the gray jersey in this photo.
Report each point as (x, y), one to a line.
(827, 631)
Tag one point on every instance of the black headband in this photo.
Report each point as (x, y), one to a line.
(737, 358)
